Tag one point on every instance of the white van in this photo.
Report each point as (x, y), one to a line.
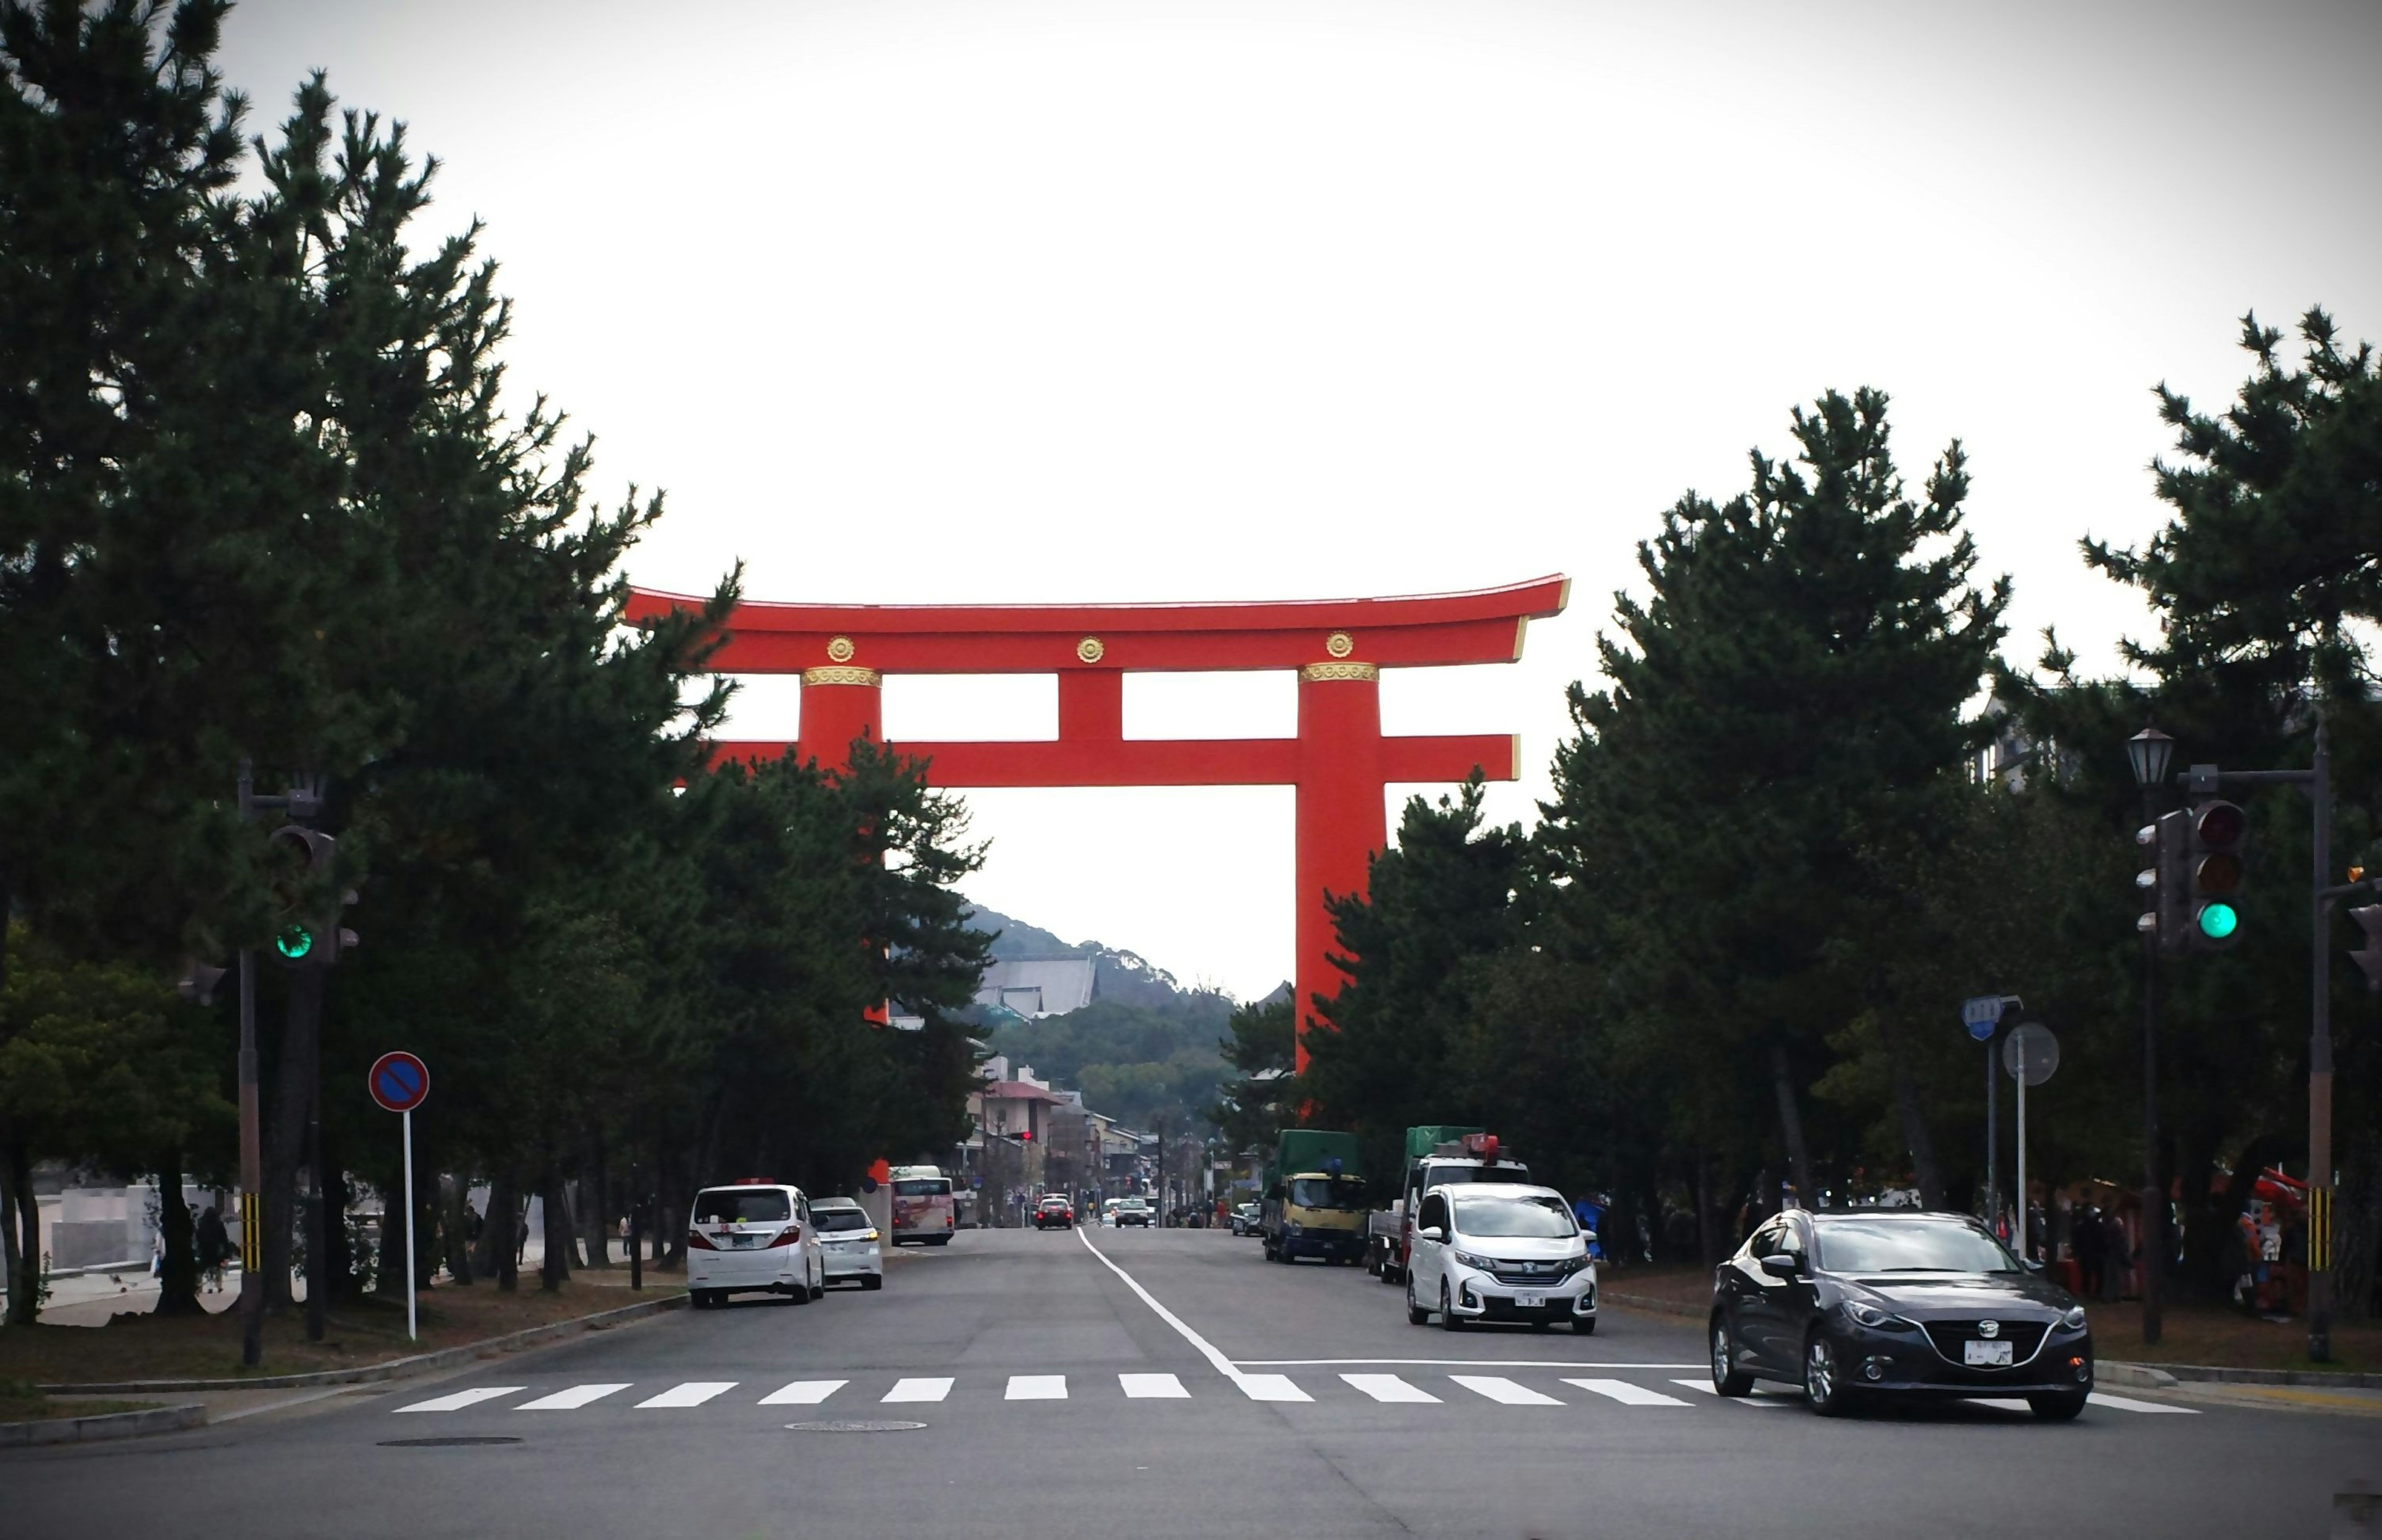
(1500, 1252)
(752, 1235)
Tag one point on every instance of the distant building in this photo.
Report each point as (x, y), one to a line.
(1038, 986)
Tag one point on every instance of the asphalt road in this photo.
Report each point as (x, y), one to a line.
(1182, 1386)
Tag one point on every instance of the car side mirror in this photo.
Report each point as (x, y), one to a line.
(1431, 1232)
(2033, 1264)
(1781, 1265)
(1588, 1235)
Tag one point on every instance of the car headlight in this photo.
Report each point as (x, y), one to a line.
(1471, 1260)
(1869, 1316)
(2074, 1320)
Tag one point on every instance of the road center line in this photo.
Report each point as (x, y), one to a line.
(1251, 1385)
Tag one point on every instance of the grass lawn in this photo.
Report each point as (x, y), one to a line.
(23, 1403)
(364, 1332)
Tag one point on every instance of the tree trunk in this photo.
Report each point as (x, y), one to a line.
(302, 1041)
(1790, 1123)
(556, 1270)
(22, 1212)
(179, 1279)
(1913, 1115)
(455, 1224)
(596, 1216)
(2357, 1223)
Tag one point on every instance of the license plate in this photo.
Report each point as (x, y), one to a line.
(742, 1242)
(1530, 1302)
(1987, 1355)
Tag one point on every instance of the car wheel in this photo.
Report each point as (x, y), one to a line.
(819, 1290)
(1416, 1314)
(1583, 1325)
(800, 1293)
(873, 1281)
(1448, 1319)
(1389, 1275)
(1824, 1383)
(2059, 1408)
(1728, 1378)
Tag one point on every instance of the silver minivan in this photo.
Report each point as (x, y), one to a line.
(1500, 1252)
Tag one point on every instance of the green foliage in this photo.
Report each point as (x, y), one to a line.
(1132, 1063)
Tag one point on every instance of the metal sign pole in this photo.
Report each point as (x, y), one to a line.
(2021, 1148)
(412, 1333)
(1992, 1138)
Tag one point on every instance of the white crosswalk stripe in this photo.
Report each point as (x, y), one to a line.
(572, 1399)
(1706, 1387)
(1390, 1387)
(1626, 1393)
(919, 1390)
(1503, 1390)
(1153, 1387)
(1036, 1387)
(463, 1398)
(695, 1392)
(2127, 1403)
(1270, 1388)
(803, 1392)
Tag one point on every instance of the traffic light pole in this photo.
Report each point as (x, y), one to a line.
(2317, 779)
(251, 1144)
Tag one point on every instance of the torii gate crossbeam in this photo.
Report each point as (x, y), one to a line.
(1339, 763)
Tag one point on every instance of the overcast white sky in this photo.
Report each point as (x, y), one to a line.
(947, 300)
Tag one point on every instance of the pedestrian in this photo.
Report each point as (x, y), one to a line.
(213, 1243)
(2117, 1255)
(2084, 1245)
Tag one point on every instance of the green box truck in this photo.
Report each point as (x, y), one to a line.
(1315, 1197)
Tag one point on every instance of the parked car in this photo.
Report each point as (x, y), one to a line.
(1054, 1210)
(1894, 1305)
(1499, 1252)
(1245, 1218)
(752, 1235)
(848, 1242)
(1134, 1211)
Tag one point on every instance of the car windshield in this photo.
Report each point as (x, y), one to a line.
(1908, 1246)
(744, 1205)
(1323, 1192)
(1054, 1202)
(1519, 1218)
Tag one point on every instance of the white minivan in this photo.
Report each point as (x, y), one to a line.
(752, 1235)
(1500, 1252)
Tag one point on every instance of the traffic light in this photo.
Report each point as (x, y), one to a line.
(306, 931)
(2215, 856)
(2369, 957)
(2166, 883)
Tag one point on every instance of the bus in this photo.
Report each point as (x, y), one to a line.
(923, 1210)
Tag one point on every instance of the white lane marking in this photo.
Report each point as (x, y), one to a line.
(695, 1392)
(1153, 1387)
(803, 1392)
(1626, 1393)
(1706, 1387)
(463, 1398)
(1037, 1387)
(1257, 1387)
(1389, 1387)
(2127, 1403)
(919, 1390)
(1444, 1363)
(570, 1399)
(2000, 1403)
(1503, 1391)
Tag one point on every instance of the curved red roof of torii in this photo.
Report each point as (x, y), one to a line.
(1416, 631)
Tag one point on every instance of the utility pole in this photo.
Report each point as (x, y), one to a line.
(252, 1141)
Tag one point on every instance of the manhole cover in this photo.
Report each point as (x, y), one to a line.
(842, 1425)
(441, 1443)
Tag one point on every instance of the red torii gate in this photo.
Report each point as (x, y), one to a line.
(1339, 764)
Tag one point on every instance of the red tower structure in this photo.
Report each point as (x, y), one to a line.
(1339, 764)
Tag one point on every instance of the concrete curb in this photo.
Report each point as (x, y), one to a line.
(1649, 1303)
(110, 1424)
(2167, 1375)
(2132, 1377)
(395, 1368)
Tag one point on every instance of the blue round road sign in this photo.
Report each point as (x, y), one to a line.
(399, 1081)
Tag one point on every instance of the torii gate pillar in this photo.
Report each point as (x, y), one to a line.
(1338, 765)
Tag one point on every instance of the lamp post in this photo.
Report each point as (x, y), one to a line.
(2148, 752)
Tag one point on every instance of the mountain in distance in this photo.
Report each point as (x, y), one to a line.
(1144, 1049)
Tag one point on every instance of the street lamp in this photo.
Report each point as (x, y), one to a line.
(2148, 752)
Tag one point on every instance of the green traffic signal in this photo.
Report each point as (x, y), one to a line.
(294, 943)
(2218, 921)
